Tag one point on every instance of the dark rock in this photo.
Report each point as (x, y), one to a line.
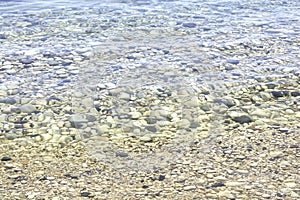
(26, 61)
(72, 176)
(234, 62)
(243, 119)
(229, 102)
(5, 158)
(151, 128)
(121, 154)
(91, 118)
(189, 25)
(161, 177)
(151, 120)
(271, 85)
(295, 94)
(85, 194)
(217, 185)
(52, 100)
(205, 108)
(53, 62)
(8, 101)
(3, 36)
(277, 94)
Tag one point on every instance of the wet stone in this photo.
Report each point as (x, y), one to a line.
(5, 158)
(295, 94)
(243, 119)
(151, 128)
(205, 108)
(26, 61)
(240, 117)
(278, 94)
(27, 108)
(3, 36)
(215, 185)
(121, 154)
(161, 177)
(151, 120)
(8, 101)
(234, 62)
(85, 194)
(189, 25)
(145, 138)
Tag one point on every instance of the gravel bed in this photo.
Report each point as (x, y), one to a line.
(149, 100)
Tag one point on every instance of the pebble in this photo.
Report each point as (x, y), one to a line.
(8, 101)
(77, 119)
(276, 154)
(5, 158)
(240, 117)
(189, 187)
(193, 102)
(64, 139)
(27, 108)
(145, 138)
(135, 115)
(226, 194)
(122, 154)
(124, 96)
(151, 128)
(184, 123)
(291, 184)
(189, 25)
(234, 183)
(232, 61)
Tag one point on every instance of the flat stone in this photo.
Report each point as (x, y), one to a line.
(78, 118)
(103, 128)
(151, 128)
(152, 120)
(64, 139)
(232, 61)
(5, 158)
(124, 96)
(260, 113)
(46, 137)
(189, 25)
(227, 194)
(87, 102)
(27, 108)
(189, 187)
(193, 102)
(276, 154)
(234, 183)
(291, 184)
(240, 117)
(278, 94)
(145, 138)
(122, 154)
(184, 123)
(230, 102)
(135, 115)
(205, 108)
(8, 101)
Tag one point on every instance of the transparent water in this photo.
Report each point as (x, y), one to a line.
(169, 51)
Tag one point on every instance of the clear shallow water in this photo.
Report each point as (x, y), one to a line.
(141, 47)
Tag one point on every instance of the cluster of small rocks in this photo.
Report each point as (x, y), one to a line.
(161, 101)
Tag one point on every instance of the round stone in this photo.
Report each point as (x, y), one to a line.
(27, 108)
(145, 138)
